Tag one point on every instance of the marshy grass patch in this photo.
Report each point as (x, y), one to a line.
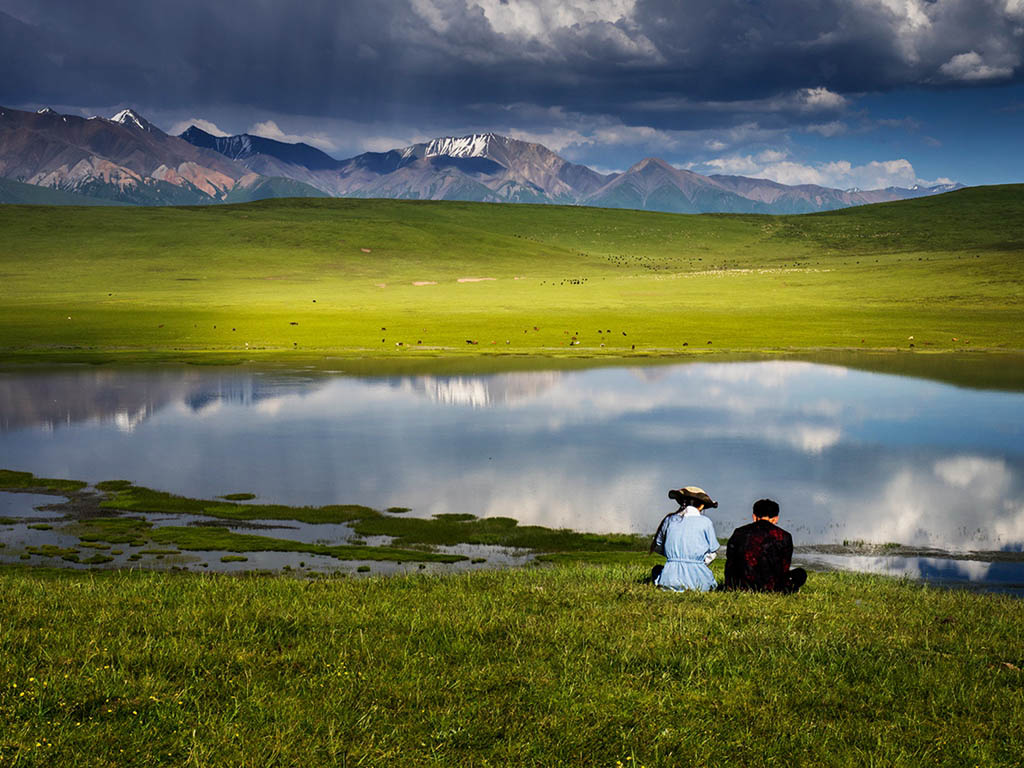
(200, 538)
(51, 550)
(93, 545)
(26, 481)
(139, 499)
(449, 530)
(96, 559)
(113, 485)
(234, 559)
(133, 531)
(411, 539)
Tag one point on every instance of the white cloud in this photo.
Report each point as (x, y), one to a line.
(536, 18)
(555, 139)
(816, 99)
(546, 25)
(205, 125)
(432, 13)
(387, 143)
(988, 479)
(970, 66)
(840, 174)
(633, 134)
(832, 128)
(736, 165)
(268, 129)
(910, 25)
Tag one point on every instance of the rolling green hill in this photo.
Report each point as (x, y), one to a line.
(305, 278)
(18, 193)
(272, 187)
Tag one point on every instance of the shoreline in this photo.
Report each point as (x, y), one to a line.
(979, 368)
(118, 514)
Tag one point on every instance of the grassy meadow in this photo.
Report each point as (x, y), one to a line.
(290, 280)
(569, 665)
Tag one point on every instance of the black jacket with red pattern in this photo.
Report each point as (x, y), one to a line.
(757, 557)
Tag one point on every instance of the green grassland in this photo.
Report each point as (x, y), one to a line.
(570, 665)
(301, 279)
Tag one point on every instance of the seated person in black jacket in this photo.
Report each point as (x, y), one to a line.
(757, 556)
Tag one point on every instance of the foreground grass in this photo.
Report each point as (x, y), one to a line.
(574, 665)
(302, 279)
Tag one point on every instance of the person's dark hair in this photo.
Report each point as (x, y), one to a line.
(766, 508)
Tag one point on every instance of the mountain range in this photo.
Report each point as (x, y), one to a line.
(127, 159)
(124, 159)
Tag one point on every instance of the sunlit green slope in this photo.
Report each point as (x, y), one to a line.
(306, 277)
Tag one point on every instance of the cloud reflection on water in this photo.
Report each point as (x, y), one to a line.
(849, 455)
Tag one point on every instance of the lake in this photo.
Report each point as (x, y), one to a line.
(853, 457)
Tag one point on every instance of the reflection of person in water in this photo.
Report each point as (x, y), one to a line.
(758, 554)
(687, 540)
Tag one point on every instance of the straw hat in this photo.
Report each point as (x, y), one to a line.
(691, 493)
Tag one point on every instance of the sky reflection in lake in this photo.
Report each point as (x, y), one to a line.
(848, 454)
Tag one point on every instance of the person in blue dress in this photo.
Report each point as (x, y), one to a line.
(687, 540)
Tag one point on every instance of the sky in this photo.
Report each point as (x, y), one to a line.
(843, 93)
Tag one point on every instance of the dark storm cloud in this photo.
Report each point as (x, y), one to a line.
(660, 63)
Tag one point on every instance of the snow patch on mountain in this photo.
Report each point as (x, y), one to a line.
(131, 119)
(235, 147)
(475, 145)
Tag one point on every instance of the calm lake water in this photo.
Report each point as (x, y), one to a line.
(849, 455)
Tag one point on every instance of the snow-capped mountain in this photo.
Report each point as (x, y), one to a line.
(132, 119)
(124, 159)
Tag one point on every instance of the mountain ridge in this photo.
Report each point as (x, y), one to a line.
(121, 159)
(455, 168)
(126, 158)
